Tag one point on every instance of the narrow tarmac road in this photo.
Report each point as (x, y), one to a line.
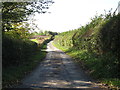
(58, 71)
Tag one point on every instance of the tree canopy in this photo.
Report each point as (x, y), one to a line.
(15, 12)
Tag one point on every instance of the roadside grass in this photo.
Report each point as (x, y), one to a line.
(57, 45)
(13, 74)
(112, 82)
(96, 66)
(44, 46)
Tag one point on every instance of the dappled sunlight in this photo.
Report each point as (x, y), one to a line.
(78, 81)
(58, 71)
(53, 82)
(56, 83)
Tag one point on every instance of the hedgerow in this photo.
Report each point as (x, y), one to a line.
(15, 51)
(97, 44)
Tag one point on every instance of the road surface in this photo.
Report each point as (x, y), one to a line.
(58, 71)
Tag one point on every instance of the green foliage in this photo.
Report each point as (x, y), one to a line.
(46, 33)
(112, 82)
(13, 74)
(50, 34)
(15, 12)
(16, 46)
(19, 31)
(15, 51)
(109, 36)
(20, 57)
(65, 40)
(95, 45)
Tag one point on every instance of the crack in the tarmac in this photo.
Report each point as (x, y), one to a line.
(57, 71)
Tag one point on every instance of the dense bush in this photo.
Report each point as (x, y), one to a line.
(15, 51)
(110, 36)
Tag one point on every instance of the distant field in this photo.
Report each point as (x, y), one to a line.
(39, 36)
(34, 40)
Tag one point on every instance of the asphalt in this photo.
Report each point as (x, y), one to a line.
(56, 72)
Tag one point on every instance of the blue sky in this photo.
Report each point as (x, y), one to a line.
(71, 14)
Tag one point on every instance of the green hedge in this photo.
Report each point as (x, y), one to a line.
(15, 51)
(97, 44)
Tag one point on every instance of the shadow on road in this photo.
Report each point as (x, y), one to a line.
(57, 72)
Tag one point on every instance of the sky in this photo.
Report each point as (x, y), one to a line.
(65, 15)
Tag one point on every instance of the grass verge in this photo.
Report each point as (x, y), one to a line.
(93, 65)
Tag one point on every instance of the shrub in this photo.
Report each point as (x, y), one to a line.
(15, 51)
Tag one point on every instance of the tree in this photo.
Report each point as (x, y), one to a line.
(15, 12)
(19, 31)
